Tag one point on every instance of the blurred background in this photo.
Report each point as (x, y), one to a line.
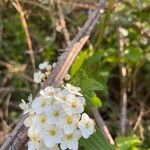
(117, 55)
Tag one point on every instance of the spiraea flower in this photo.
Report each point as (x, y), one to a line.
(55, 113)
(44, 70)
(38, 77)
(72, 89)
(55, 118)
(86, 125)
(26, 107)
(52, 135)
(35, 139)
(71, 140)
(71, 123)
(40, 103)
(75, 105)
(45, 66)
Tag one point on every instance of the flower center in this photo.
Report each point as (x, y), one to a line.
(43, 119)
(64, 98)
(69, 120)
(51, 93)
(69, 137)
(87, 125)
(43, 103)
(52, 132)
(74, 104)
(56, 113)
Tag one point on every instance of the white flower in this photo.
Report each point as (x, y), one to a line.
(26, 107)
(49, 91)
(30, 120)
(75, 105)
(41, 121)
(35, 139)
(70, 141)
(45, 65)
(33, 146)
(67, 77)
(63, 96)
(86, 125)
(38, 77)
(73, 89)
(70, 123)
(55, 114)
(40, 103)
(43, 147)
(54, 65)
(52, 136)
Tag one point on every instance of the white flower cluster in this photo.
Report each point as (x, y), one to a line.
(57, 119)
(44, 70)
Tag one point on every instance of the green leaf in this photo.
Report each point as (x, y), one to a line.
(95, 142)
(78, 62)
(127, 143)
(134, 55)
(91, 85)
(96, 101)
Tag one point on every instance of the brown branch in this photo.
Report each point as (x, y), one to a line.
(19, 135)
(21, 12)
(101, 124)
(74, 47)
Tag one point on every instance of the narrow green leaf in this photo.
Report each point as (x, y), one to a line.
(78, 62)
(91, 84)
(96, 101)
(96, 142)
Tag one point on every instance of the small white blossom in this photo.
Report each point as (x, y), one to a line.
(26, 107)
(43, 147)
(49, 91)
(63, 95)
(35, 138)
(30, 121)
(41, 121)
(55, 114)
(45, 66)
(70, 123)
(70, 141)
(75, 105)
(72, 89)
(54, 65)
(52, 136)
(67, 77)
(86, 125)
(39, 104)
(38, 77)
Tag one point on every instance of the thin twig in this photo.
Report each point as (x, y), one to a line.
(101, 124)
(139, 119)
(7, 101)
(21, 12)
(63, 23)
(19, 135)
(123, 91)
(76, 4)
